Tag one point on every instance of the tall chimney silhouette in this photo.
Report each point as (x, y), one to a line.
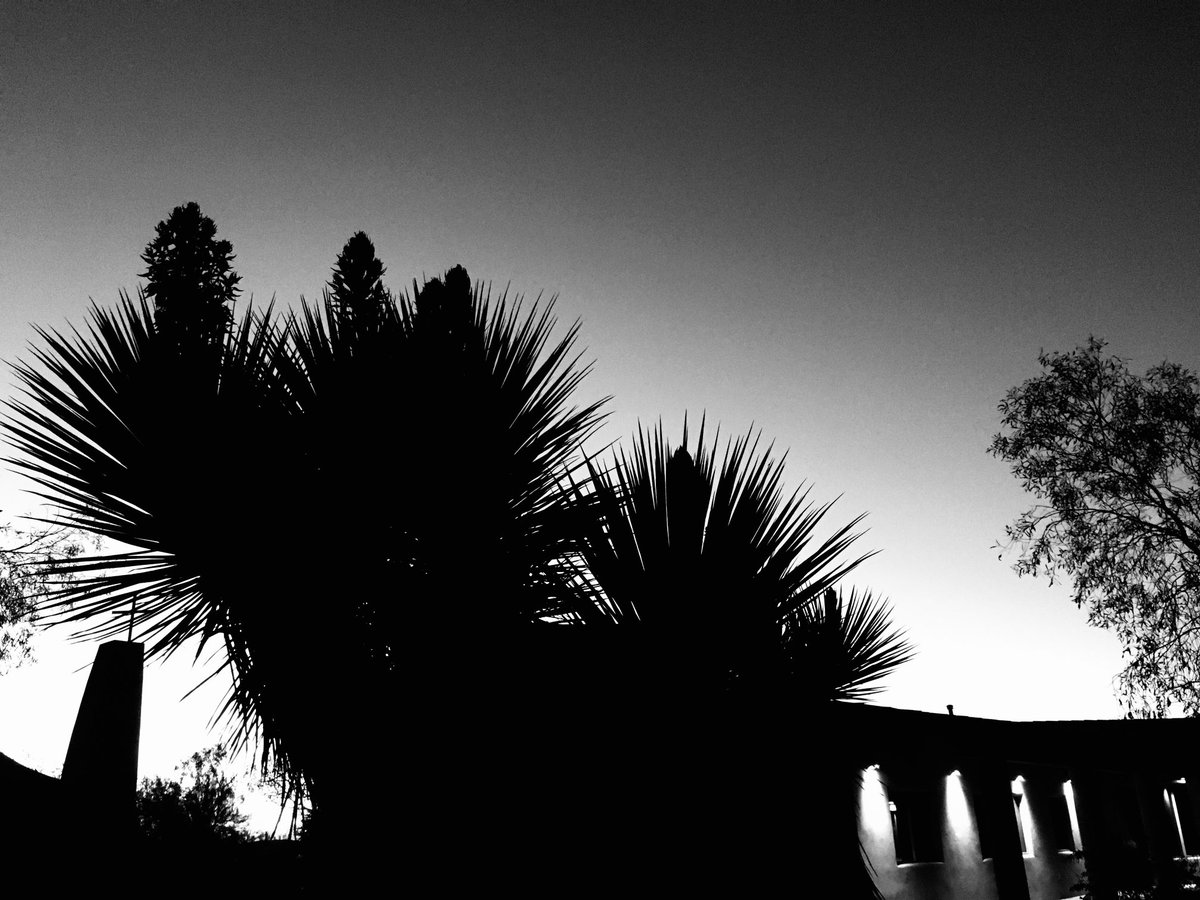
(100, 771)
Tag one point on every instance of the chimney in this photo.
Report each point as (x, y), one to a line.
(100, 772)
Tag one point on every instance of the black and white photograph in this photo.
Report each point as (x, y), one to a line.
(596, 448)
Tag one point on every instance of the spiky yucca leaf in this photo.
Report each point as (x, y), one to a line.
(709, 554)
(845, 645)
(128, 439)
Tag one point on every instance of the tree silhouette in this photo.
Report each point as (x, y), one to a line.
(29, 568)
(356, 291)
(1114, 459)
(198, 806)
(189, 277)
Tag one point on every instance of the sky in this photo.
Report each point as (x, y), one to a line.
(852, 226)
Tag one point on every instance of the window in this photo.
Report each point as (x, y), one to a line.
(987, 815)
(1024, 820)
(1018, 809)
(1183, 818)
(1131, 828)
(916, 825)
(1062, 829)
(995, 814)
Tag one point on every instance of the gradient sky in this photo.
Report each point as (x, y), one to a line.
(852, 226)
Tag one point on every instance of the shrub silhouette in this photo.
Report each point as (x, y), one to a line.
(201, 805)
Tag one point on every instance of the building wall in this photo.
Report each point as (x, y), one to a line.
(960, 874)
(1051, 872)
(1134, 786)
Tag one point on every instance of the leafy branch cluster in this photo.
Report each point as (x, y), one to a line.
(31, 566)
(199, 805)
(1115, 459)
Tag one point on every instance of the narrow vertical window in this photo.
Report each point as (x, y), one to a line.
(1183, 818)
(1017, 809)
(1024, 820)
(988, 820)
(1073, 813)
(1061, 828)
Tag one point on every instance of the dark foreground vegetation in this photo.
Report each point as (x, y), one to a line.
(477, 655)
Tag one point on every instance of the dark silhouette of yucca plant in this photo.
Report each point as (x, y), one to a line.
(346, 508)
(369, 507)
(720, 571)
(732, 642)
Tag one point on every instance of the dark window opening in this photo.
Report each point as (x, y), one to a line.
(1018, 799)
(1060, 824)
(995, 814)
(916, 825)
(1132, 829)
(988, 820)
